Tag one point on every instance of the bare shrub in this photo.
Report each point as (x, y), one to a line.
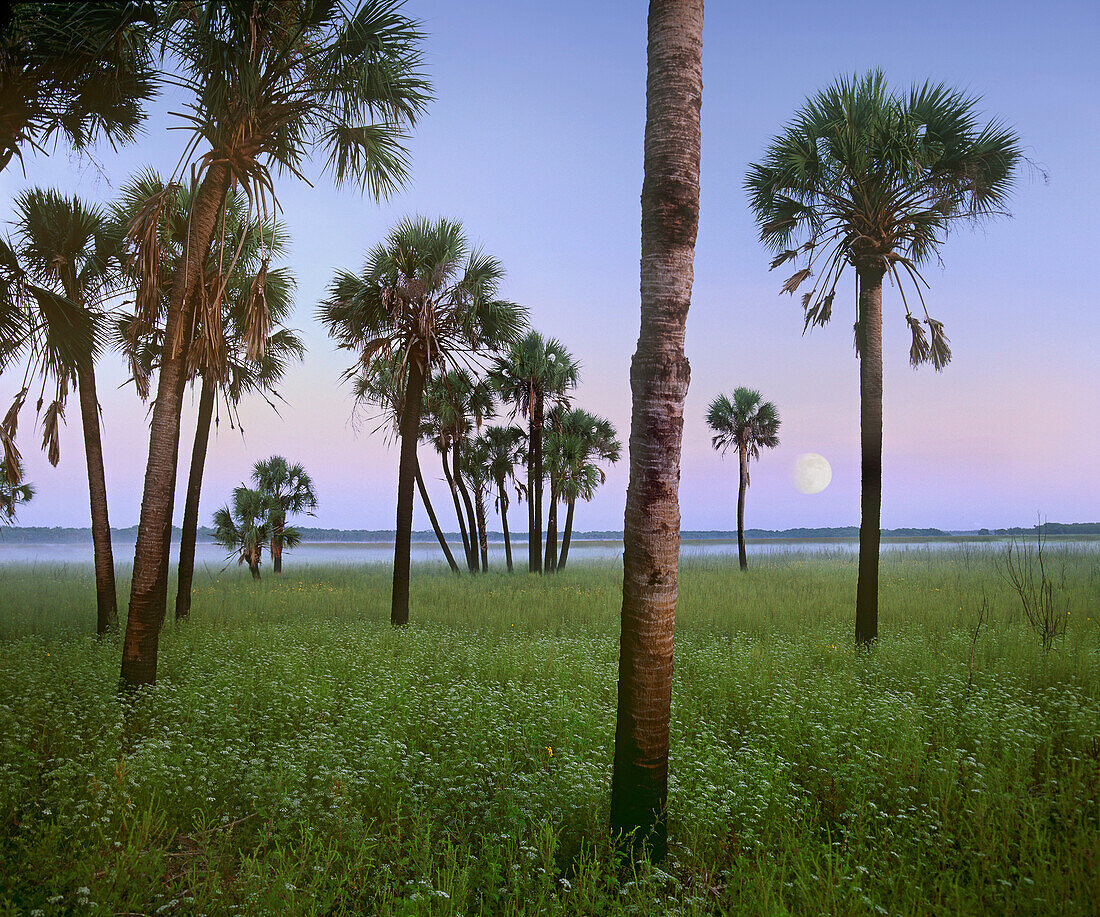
(1044, 596)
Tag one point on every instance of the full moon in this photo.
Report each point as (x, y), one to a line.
(812, 473)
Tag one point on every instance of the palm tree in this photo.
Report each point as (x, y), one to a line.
(70, 251)
(424, 295)
(503, 449)
(659, 380)
(12, 496)
(74, 69)
(475, 468)
(245, 529)
(747, 423)
(535, 369)
(290, 491)
(271, 82)
(873, 178)
(582, 440)
(380, 386)
(456, 401)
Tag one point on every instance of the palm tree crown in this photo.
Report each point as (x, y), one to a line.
(743, 422)
(875, 178)
(12, 495)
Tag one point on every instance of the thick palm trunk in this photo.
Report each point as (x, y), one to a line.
(504, 524)
(458, 510)
(550, 560)
(471, 520)
(567, 536)
(659, 376)
(106, 600)
(482, 534)
(534, 487)
(277, 544)
(742, 487)
(410, 436)
(435, 522)
(190, 531)
(254, 565)
(148, 592)
(870, 434)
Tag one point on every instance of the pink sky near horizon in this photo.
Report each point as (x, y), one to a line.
(535, 143)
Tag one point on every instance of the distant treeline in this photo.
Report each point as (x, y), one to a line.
(58, 535)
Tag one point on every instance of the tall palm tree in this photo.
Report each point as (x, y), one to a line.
(70, 251)
(270, 83)
(73, 69)
(534, 370)
(503, 450)
(424, 295)
(244, 529)
(289, 489)
(873, 178)
(582, 441)
(746, 423)
(659, 380)
(12, 496)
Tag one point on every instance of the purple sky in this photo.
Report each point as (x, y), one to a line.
(535, 142)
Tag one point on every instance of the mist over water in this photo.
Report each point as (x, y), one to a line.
(211, 558)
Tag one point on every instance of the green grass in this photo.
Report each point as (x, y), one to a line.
(298, 755)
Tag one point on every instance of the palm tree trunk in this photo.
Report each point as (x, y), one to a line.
(190, 531)
(277, 544)
(550, 561)
(504, 524)
(659, 376)
(106, 600)
(254, 564)
(435, 522)
(482, 534)
(567, 536)
(870, 435)
(148, 592)
(742, 487)
(458, 510)
(534, 486)
(456, 470)
(410, 436)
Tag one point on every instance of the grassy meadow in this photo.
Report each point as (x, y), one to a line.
(300, 756)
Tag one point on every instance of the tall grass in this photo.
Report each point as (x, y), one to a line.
(298, 755)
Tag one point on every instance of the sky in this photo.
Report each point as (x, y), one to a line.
(534, 141)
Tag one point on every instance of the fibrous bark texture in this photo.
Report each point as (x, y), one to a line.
(659, 375)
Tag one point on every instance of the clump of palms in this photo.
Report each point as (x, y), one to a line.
(423, 301)
(289, 491)
(747, 423)
(872, 178)
(577, 442)
(269, 84)
(244, 528)
(12, 496)
(69, 252)
(535, 370)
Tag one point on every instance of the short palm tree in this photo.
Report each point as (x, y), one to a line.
(874, 178)
(747, 423)
(579, 443)
(534, 371)
(289, 490)
(270, 83)
(244, 529)
(70, 253)
(503, 449)
(12, 496)
(425, 295)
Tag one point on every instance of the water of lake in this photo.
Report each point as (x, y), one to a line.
(212, 557)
